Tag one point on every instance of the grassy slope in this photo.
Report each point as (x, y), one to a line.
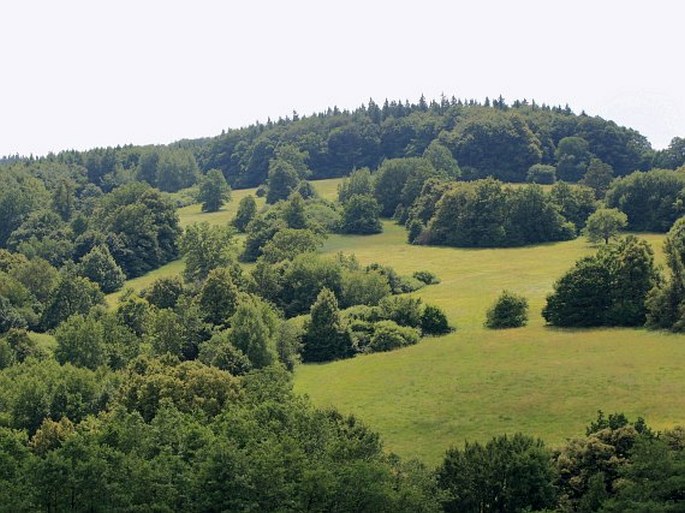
(476, 383)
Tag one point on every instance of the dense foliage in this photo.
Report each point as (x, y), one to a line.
(607, 289)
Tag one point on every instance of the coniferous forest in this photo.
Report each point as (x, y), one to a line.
(179, 396)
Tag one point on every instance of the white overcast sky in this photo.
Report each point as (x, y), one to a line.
(80, 74)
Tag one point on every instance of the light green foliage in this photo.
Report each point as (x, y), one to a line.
(509, 311)
(220, 352)
(359, 182)
(361, 216)
(604, 224)
(213, 191)
(575, 202)
(388, 335)
(247, 209)
(287, 243)
(442, 160)
(254, 328)
(206, 247)
(218, 296)
(283, 180)
(165, 334)
(363, 287)
(81, 342)
(99, 267)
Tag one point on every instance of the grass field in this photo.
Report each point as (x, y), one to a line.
(476, 383)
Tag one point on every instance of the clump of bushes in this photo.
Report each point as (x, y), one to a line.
(509, 311)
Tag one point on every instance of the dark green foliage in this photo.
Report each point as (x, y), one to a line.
(19, 196)
(399, 181)
(247, 209)
(509, 311)
(541, 174)
(434, 321)
(164, 292)
(588, 468)
(607, 289)
(490, 143)
(294, 212)
(672, 157)
(99, 266)
(35, 390)
(214, 191)
(484, 213)
(426, 277)
(598, 177)
(361, 216)
(168, 169)
(142, 228)
(507, 474)
(652, 200)
(573, 157)
(325, 337)
(73, 295)
(665, 302)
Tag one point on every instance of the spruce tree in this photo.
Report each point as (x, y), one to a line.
(325, 338)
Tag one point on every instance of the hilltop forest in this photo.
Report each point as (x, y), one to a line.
(178, 396)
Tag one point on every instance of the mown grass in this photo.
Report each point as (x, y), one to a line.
(476, 383)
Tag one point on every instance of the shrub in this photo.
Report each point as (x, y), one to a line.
(388, 335)
(509, 311)
(434, 321)
(426, 277)
(405, 311)
(542, 174)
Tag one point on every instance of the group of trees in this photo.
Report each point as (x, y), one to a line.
(485, 213)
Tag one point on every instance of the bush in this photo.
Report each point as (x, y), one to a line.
(405, 311)
(509, 311)
(388, 335)
(426, 277)
(542, 174)
(434, 321)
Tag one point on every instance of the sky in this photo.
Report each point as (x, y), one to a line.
(82, 74)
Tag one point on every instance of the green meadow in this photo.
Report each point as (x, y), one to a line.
(476, 383)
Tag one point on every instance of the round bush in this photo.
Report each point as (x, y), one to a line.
(509, 311)
(388, 335)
